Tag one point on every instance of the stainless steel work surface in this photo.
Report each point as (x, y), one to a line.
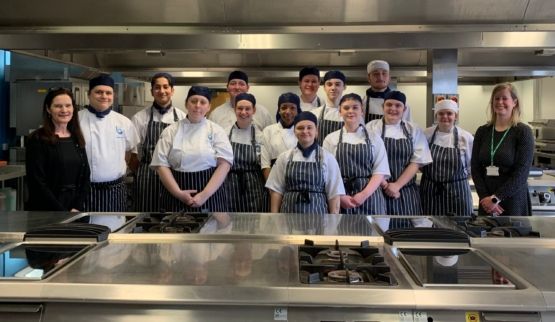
(191, 263)
(542, 225)
(289, 224)
(533, 261)
(22, 221)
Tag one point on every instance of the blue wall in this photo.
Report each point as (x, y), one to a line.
(5, 60)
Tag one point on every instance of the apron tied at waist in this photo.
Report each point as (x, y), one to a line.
(304, 195)
(439, 186)
(107, 184)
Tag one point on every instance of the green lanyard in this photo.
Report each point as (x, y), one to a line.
(492, 150)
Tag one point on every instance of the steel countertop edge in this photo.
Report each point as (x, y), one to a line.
(406, 295)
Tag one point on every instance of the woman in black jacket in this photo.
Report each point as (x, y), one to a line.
(58, 174)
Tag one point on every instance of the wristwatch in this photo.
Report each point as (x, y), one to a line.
(495, 200)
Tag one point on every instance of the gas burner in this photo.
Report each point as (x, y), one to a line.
(335, 254)
(485, 226)
(343, 265)
(344, 274)
(177, 223)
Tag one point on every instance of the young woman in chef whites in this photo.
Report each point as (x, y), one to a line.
(407, 151)
(280, 137)
(193, 157)
(305, 179)
(245, 183)
(444, 187)
(362, 158)
(328, 116)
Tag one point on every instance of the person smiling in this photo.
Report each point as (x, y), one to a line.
(56, 163)
(309, 83)
(362, 158)
(305, 179)
(328, 116)
(444, 187)
(280, 137)
(245, 184)
(110, 137)
(224, 115)
(150, 122)
(407, 151)
(501, 157)
(379, 79)
(192, 158)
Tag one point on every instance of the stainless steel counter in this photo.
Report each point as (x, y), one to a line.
(246, 265)
(14, 224)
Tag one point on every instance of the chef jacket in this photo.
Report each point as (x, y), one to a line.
(330, 168)
(376, 107)
(331, 113)
(224, 115)
(307, 107)
(446, 140)
(276, 140)
(243, 136)
(140, 120)
(379, 154)
(421, 154)
(106, 141)
(192, 147)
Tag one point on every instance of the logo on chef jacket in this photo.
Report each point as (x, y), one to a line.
(120, 133)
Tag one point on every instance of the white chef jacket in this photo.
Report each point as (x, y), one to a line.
(276, 140)
(224, 115)
(192, 147)
(106, 141)
(446, 140)
(330, 168)
(331, 113)
(379, 154)
(421, 153)
(307, 107)
(376, 107)
(140, 120)
(243, 136)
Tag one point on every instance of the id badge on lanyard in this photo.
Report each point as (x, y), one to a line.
(492, 170)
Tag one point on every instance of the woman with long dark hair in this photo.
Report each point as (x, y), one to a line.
(58, 173)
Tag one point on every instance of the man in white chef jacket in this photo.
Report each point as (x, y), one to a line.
(224, 115)
(309, 83)
(109, 138)
(379, 79)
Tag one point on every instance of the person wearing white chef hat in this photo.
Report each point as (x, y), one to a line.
(444, 188)
(379, 79)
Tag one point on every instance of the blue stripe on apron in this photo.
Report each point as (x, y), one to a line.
(356, 163)
(195, 181)
(148, 187)
(326, 127)
(399, 153)
(305, 191)
(444, 186)
(244, 184)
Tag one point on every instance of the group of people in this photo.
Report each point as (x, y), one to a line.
(339, 154)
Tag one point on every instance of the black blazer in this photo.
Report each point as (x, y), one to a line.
(46, 173)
